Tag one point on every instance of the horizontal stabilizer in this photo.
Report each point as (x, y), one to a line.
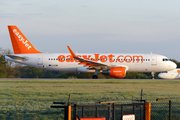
(18, 58)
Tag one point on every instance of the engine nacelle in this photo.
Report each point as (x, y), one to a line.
(115, 72)
(173, 74)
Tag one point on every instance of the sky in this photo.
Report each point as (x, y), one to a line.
(95, 26)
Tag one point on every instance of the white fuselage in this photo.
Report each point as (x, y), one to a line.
(65, 62)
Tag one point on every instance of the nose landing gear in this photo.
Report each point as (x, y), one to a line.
(152, 73)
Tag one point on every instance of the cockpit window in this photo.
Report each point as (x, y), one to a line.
(165, 59)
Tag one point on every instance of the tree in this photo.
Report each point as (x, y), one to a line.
(2, 67)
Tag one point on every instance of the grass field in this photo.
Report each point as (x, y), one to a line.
(32, 98)
(85, 90)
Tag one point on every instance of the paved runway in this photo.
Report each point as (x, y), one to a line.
(72, 79)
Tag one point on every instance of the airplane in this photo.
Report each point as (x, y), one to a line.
(173, 74)
(114, 65)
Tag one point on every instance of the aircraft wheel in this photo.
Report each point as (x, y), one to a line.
(95, 77)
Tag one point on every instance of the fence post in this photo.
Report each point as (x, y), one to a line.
(96, 111)
(170, 110)
(69, 112)
(109, 108)
(66, 113)
(82, 112)
(147, 111)
(69, 108)
(121, 112)
(170, 106)
(114, 111)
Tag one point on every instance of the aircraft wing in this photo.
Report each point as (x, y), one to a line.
(88, 63)
(18, 58)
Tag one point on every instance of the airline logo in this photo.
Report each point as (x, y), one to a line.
(21, 39)
(103, 58)
(117, 71)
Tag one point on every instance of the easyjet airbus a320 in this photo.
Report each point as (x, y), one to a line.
(114, 65)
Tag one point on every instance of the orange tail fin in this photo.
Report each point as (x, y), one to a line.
(20, 43)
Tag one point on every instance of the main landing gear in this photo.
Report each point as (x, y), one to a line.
(95, 76)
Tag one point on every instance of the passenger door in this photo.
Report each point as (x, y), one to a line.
(153, 60)
(40, 60)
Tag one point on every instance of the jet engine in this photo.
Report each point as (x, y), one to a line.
(115, 72)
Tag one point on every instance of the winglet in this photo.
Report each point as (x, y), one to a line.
(72, 53)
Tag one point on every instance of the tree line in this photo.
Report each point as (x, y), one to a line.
(11, 70)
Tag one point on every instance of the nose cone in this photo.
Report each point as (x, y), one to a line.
(169, 66)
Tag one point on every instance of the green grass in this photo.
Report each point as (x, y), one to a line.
(32, 98)
(83, 90)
